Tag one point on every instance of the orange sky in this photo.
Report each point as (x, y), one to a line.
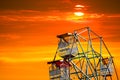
(28, 32)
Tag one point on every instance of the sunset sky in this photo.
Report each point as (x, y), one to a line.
(28, 30)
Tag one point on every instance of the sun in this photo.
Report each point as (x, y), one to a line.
(79, 10)
(78, 13)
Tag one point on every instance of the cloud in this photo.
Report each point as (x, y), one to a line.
(36, 16)
(28, 16)
(27, 27)
(27, 54)
(42, 5)
(61, 5)
(9, 36)
(114, 16)
(21, 60)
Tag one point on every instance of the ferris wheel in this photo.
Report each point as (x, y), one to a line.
(82, 55)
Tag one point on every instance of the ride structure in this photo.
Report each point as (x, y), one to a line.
(82, 55)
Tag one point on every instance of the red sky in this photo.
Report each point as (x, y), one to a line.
(28, 30)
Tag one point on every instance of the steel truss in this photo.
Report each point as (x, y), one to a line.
(84, 56)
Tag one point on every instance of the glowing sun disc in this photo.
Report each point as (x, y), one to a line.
(79, 13)
(79, 6)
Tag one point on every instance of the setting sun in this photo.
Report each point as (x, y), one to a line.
(79, 10)
(78, 13)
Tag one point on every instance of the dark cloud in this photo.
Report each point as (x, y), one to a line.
(99, 6)
(41, 5)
